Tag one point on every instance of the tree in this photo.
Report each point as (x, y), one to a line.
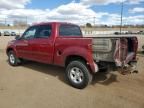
(88, 25)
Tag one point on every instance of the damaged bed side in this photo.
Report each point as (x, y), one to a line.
(116, 52)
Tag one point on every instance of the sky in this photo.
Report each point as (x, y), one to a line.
(99, 12)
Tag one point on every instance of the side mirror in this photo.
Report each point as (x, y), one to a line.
(17, 37)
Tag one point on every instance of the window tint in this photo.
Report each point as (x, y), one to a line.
(69, 30)
(44, 31)
(30, 33)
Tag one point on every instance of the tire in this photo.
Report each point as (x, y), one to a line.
(12, 59)
(78, 74)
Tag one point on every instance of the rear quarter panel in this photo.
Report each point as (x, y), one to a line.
(66, 46)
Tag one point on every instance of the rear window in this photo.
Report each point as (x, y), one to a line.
(69, 30)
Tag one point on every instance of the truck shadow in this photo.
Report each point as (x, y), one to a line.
(51, 70)
(58, 72)
(104, 78)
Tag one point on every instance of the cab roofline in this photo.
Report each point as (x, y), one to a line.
(45, 23)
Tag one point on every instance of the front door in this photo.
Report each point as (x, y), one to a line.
(23, 44)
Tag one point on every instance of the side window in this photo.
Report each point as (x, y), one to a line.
(69, 30)
(44, 31)
(30, 33)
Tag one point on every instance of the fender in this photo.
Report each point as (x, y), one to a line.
(83, 52)
(11, 47)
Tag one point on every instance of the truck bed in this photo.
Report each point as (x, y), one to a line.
(114, 47)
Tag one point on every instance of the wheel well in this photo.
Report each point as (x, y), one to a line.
(9, 49)
(74, 57)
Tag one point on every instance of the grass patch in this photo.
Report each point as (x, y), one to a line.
(140, 52)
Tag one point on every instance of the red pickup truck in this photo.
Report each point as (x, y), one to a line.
(62, 44)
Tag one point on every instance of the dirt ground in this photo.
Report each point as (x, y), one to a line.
(35, 85)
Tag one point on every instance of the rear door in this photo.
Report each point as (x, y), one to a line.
(42, 45)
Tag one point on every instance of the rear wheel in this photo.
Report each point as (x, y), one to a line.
(12, 59)
(78, 74)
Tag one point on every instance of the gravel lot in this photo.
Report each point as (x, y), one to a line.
(35, 85)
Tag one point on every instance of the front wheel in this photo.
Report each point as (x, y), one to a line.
(12, 59)
(78, 74)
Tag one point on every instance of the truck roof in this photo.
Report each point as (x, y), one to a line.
(45, 23)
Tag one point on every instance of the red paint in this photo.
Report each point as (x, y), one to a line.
(54, 50)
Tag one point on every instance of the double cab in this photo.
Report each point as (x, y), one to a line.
(63, 44)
